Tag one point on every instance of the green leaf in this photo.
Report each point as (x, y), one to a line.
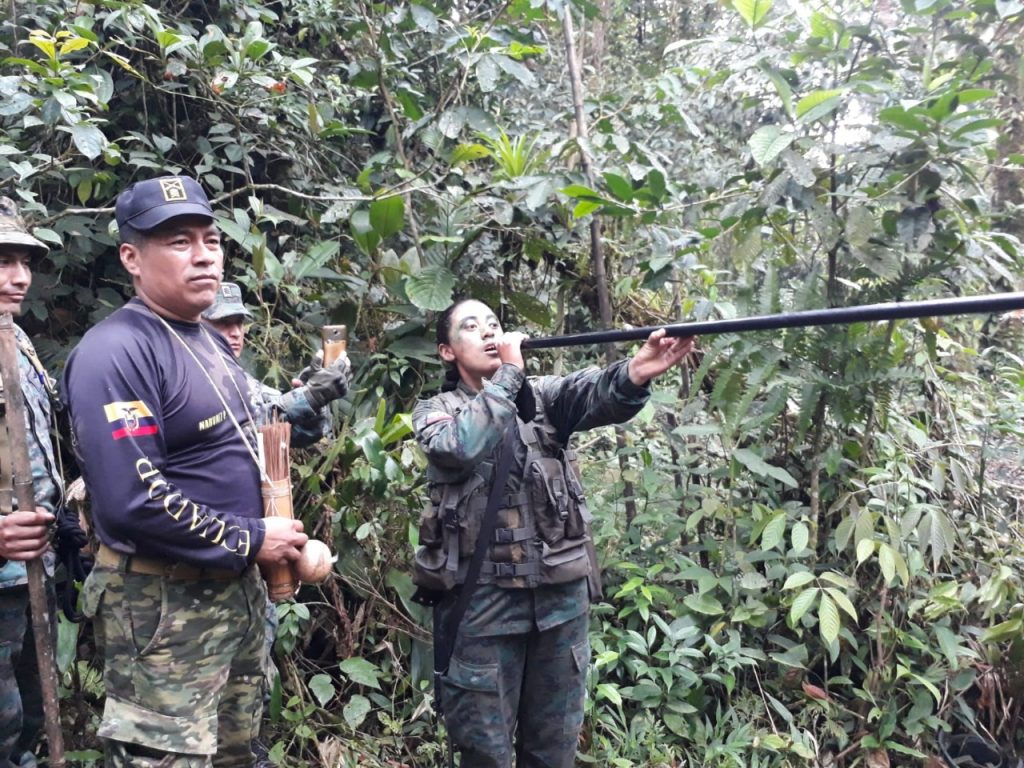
(798, 579)
(828, 619)
(972, 95)
(610, 692)
(843, 602)
(1008, 8)
(656, 183)
(800, 536)
(425, 18)
(363, 233)
(1012, 628)
(530, 307)
(773, 532)
(387, 215)
(584, 208)
(704, 604)
(88, 139)
(73, 44)
(817, 104)
(753, 580)
(581, 192)
(978, 125)
(487, 73)
(886, 562)
(865, 549)
(768, 142)
(518, 70)
(361, 671)
(782, 87)
(431, 288)
(356, 710)
(753, 12)
(467, 153)
(619, 186)
(759, 466)
(801, 604)
(322, 687)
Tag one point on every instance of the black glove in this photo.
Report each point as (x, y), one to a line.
(69, 538)
(325, 385)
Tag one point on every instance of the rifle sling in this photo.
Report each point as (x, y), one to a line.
(444, 642)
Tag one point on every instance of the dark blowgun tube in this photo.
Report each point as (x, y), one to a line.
(896, 310)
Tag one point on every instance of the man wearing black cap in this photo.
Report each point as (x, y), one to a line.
(24, 534)
(165, 433)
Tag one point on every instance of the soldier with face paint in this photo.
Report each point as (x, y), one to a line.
(514, 686)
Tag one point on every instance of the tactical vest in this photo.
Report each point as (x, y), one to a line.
(542, 535)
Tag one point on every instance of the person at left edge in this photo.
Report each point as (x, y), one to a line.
(24, 534)
(165, 437)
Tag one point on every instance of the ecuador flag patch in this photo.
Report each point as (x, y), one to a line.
(130, 419)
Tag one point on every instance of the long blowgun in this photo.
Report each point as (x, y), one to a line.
(24, 494)
(897, 310)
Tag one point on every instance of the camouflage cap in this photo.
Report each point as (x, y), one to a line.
(13, 230)
(227, 304)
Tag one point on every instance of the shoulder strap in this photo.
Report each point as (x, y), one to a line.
(29, 351)
(444, 643)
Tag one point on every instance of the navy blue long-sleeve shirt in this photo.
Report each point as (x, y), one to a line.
(167, 471)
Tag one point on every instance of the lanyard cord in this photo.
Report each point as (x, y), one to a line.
(216, 389)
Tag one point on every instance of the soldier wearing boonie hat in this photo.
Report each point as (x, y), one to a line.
(164, 423)
(14, 232)
(24, 534)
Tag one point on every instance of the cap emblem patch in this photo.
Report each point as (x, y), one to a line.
(173, 190)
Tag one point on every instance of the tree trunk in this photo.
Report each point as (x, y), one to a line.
(597, 265)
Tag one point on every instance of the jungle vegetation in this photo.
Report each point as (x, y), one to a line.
(811, 540)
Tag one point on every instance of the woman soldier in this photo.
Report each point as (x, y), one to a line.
(515, 681)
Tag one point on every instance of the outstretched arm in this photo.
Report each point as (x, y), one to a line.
(657, 355)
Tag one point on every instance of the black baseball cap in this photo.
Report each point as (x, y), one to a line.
(148, 204)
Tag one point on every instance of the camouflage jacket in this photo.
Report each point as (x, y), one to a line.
(45, 479)
(542, 521)
(308, 426)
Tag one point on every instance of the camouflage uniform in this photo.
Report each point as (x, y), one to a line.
(308, 425)
(516, 681)
(21, 709)
(166, 442)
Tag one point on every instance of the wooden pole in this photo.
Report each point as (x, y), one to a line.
(24, 494)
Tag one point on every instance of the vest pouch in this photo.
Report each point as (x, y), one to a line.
(431, 570)
(431, 533)
(550, 499)
(577, 524)
(567, 561)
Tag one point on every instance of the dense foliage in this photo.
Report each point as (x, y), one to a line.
(811, 539)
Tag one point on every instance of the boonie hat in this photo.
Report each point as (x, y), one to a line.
(13, 230)
(227, 304)
(148, 204)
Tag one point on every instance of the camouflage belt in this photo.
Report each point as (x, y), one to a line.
(153, 566)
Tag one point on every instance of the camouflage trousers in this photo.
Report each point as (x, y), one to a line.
(184, 667)
(21, 699)
(518, 694)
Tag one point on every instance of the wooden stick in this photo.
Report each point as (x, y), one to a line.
(25, 496)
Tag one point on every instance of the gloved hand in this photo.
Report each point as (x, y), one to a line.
(69, 539)
(324, 385)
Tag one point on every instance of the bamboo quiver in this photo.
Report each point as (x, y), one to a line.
(276, 490)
